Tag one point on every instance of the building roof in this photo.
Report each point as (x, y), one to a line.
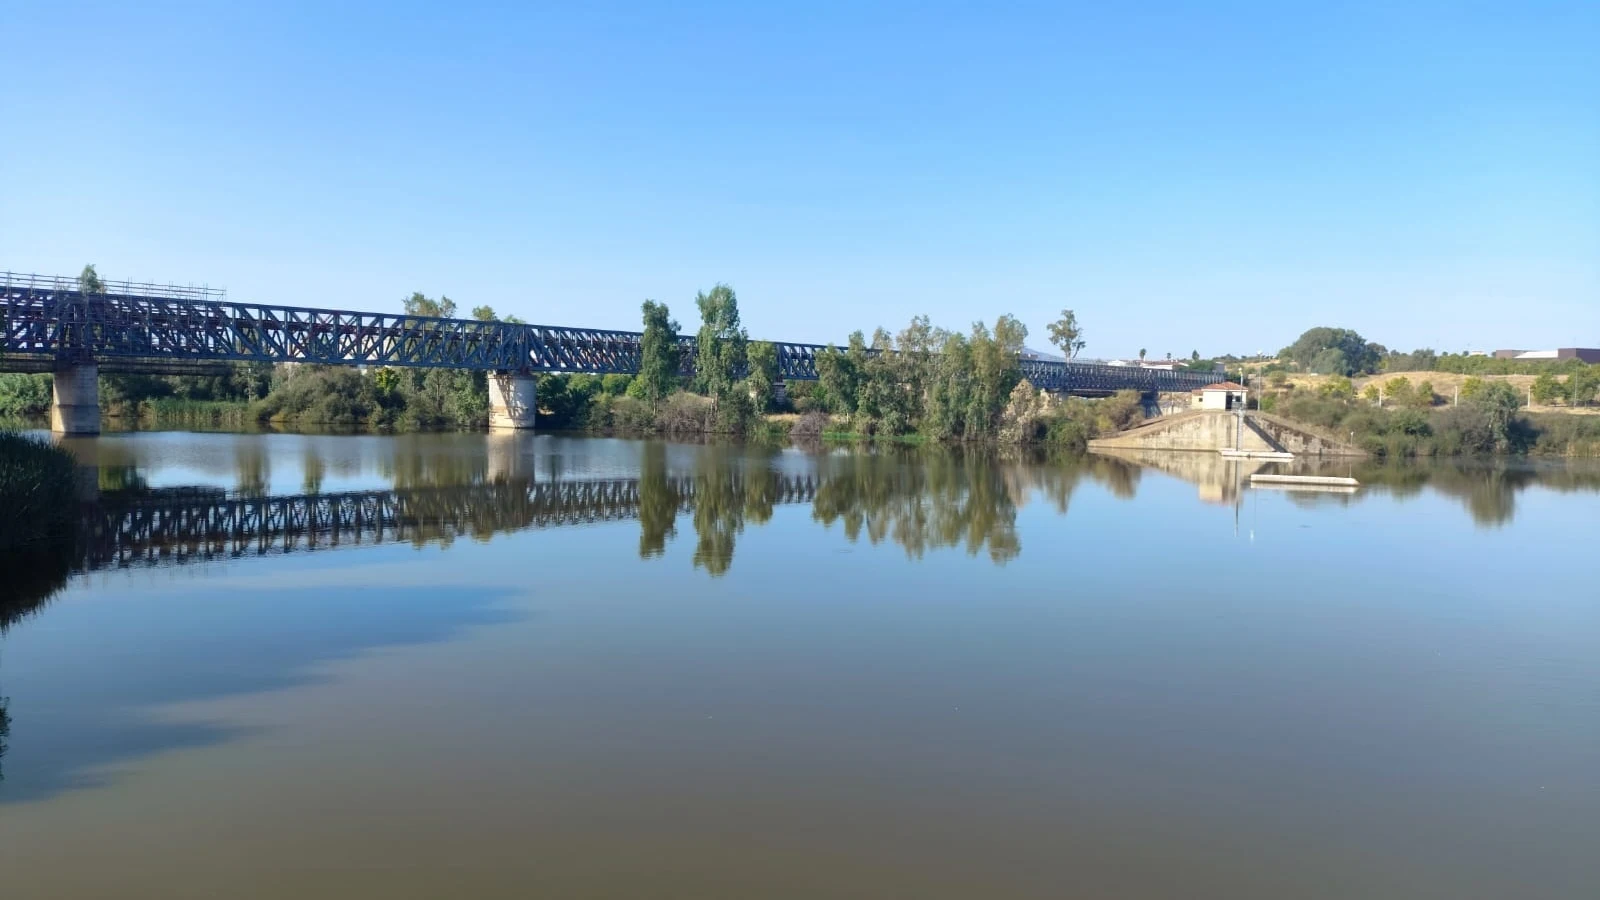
(1224, 386)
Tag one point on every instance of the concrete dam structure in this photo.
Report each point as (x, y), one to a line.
(1215, 431)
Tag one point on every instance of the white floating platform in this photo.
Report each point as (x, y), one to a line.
(1306, 488)
(1318, 480)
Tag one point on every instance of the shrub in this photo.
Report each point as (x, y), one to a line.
(1121, 411)
(1424, 395)
(1338, 387)
(685, 413)
(811, 425)
(24, 396)
(627, 413)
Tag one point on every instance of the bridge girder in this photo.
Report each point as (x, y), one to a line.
(49, 322)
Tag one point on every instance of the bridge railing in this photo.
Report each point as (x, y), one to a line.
(64, 283)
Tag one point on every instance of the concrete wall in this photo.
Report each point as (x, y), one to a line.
(1203, 430)
(1211, 431)
(1299, 440)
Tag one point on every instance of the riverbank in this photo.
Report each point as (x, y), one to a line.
(1491, 422)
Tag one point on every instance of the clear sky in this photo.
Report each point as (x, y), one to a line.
(1210, 176)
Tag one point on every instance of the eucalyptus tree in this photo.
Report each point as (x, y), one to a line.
(658, 354)
(1067, 334)
(719, 347)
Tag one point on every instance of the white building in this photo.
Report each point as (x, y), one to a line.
(1222, 395)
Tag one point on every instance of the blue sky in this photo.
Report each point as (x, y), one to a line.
(1213, 176)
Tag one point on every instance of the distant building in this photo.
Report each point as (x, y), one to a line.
(1588, 355)
(1222, 395)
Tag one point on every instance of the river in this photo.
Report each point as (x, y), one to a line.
(533, 665)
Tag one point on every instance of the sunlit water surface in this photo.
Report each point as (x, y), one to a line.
(517, 666)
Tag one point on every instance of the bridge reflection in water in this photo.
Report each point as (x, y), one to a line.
(922, 501)
(172, 527)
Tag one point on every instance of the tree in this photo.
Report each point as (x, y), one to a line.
(1582, 385)
(1309, 352)
(1546, 389)
(1331, 361)
(762, 359)
(89, 281)
(484, 313)
(1472, 387)
(1194, 356)
(1370, 393)
(658, 354)
(1398, 391)
(996, 368)
(839, 375)
(419, 305)
(719, 347)
(1141, 354)
(1497, 404)
(1423, 395)
(1066, 334)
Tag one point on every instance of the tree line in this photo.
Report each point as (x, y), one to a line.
(924, 381)
(1342, 351)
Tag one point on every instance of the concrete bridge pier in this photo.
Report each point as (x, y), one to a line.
(513, 400)
(75, 408)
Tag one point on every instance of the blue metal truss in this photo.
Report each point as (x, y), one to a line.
(50, 321)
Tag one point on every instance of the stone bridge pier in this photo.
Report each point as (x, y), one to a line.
(513, 400)
(75, 405)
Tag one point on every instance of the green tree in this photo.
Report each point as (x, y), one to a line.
(1194, 356)
(1398, 391)
(1331, 361)
(89, 281)
(1583, 384)
(996, 361)
(1546, 389)
(1423, 396)
(839, 374)
(1499, 402)
(658, 354)
(1310, 352)
(484, 313)
(1141, 354)
(720, 351)
(762, 360)
(1067, 334)
(420, 305)
(1472, 386)
(1370, 393)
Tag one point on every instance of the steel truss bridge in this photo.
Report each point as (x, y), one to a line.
(48, 323)
(179, 526)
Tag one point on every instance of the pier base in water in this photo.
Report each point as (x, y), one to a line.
(513, 400)
(75, 407)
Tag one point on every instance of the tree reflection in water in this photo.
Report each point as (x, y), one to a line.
(659, 501)
(1487, 488)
